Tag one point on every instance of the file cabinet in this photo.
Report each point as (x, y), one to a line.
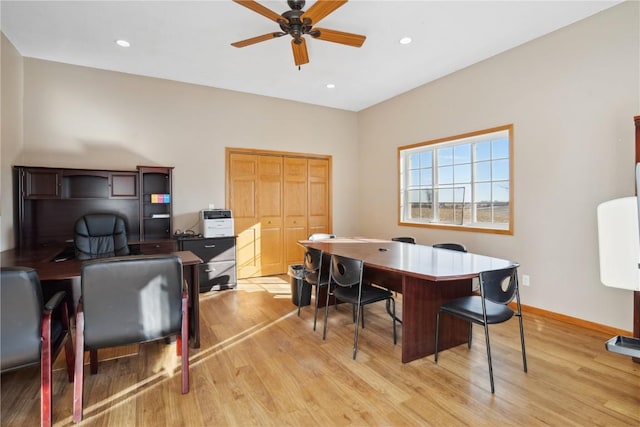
(218, 270)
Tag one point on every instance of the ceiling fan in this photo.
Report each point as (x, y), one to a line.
(297, 23)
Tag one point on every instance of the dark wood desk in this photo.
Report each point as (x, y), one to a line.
(425, 276)
(41, 260)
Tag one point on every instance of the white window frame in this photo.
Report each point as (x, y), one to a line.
(465, 196)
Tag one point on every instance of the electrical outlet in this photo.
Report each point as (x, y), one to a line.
(525, 280)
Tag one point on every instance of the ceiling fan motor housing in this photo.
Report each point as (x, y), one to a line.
(292, 24)
(296, 4)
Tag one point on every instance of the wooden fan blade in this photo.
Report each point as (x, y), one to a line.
(320, 9)
(341, 37)
(300, 55)
(258, 8)
(253, 40)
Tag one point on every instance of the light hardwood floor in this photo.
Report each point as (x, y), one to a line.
(261, 364)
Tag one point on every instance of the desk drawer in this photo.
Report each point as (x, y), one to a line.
(156, 248)
(218, 249)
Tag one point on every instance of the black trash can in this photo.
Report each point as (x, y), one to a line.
(296, 277)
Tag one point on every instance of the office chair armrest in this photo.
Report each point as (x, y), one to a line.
(55, 301)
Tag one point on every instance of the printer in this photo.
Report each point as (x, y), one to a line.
(216, 223)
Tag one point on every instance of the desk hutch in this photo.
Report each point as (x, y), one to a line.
(48, 201)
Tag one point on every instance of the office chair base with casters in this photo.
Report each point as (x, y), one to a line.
(490, 307)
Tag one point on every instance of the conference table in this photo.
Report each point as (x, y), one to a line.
(425, 276)
(43, 261)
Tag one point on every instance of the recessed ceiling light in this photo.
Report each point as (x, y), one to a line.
(330, 86)
(123, 43)
(405, 40)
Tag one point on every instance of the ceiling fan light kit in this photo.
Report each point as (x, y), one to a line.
(298, 23)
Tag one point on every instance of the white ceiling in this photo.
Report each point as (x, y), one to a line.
(189, 41)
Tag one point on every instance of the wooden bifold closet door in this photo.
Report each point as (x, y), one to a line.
(276, 200)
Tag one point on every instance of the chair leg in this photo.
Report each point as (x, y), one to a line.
(355, 334)
(315, 313)
(435, 354)
(78, 381)
(394, 309)
(470, 337)
(393, 317)
(299, 287)
(326, 313)
(45, 372)
(486, 336)
(184, 344)
(93, 361)
(524, 355)
(68, 346)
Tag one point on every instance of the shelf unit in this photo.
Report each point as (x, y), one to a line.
(49, 200)
(156, 202)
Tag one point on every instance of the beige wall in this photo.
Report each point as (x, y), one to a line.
(571, 96)
(84, 117)
(11, 136)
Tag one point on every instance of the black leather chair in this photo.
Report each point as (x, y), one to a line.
(128, 300)
(346, 280)
(100, 236)
(29, 332)
(314, 275)
(497, 289)
(404, 239)
(451, 246)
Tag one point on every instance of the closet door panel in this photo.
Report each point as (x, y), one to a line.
(242, 194)
(270, 194)
(295, 208)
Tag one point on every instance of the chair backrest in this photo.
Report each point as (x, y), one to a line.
(131, 299)
(345, 271)
(100, 236)
(312, 260)
(499, 286)
(451, 246)
(21, 317)
(404, 240)
(321, 236)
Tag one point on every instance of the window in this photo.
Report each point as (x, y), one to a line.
(462, 182)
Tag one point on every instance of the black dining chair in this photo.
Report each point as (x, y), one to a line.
(451, 246)
(404, 239)
(346, 280)
(497, 289)
(129, 300)
(30, 332)
(315, 276)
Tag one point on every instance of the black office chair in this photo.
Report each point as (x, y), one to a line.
(100, 236)
(497, 289)
(314, 275)
(451, 246)
(346, 277)
(404, 240)
(129, 300)
(29, 332)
